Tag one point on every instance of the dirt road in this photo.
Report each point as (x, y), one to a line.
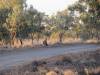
(18, 58)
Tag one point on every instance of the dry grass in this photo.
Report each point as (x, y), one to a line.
(84, 63)
(51, 73)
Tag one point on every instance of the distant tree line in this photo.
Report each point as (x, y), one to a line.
(19, 21)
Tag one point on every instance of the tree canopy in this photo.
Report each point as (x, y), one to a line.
(81, 20)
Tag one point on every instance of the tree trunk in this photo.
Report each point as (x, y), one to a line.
(32, 35)
(98, 36)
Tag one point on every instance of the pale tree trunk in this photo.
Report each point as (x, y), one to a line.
(98, 36)
(38, 38)
(32, 37)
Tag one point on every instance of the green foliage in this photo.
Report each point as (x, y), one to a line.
(16, 17)
(4, 34)
(89, 11)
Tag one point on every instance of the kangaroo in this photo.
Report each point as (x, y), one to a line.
(45, 42)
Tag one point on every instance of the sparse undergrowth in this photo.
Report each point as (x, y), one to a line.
(84, 63)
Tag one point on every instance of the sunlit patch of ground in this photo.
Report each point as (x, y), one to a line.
(51, 41)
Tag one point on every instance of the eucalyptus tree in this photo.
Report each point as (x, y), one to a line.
(60, 23)
(10, 10)
(4, 14)
(89, 16)
(29, 24)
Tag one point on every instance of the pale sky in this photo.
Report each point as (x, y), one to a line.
(50, 6)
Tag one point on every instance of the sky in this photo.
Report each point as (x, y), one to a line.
(50, 6)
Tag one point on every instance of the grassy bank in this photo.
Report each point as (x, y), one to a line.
(83, 63)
